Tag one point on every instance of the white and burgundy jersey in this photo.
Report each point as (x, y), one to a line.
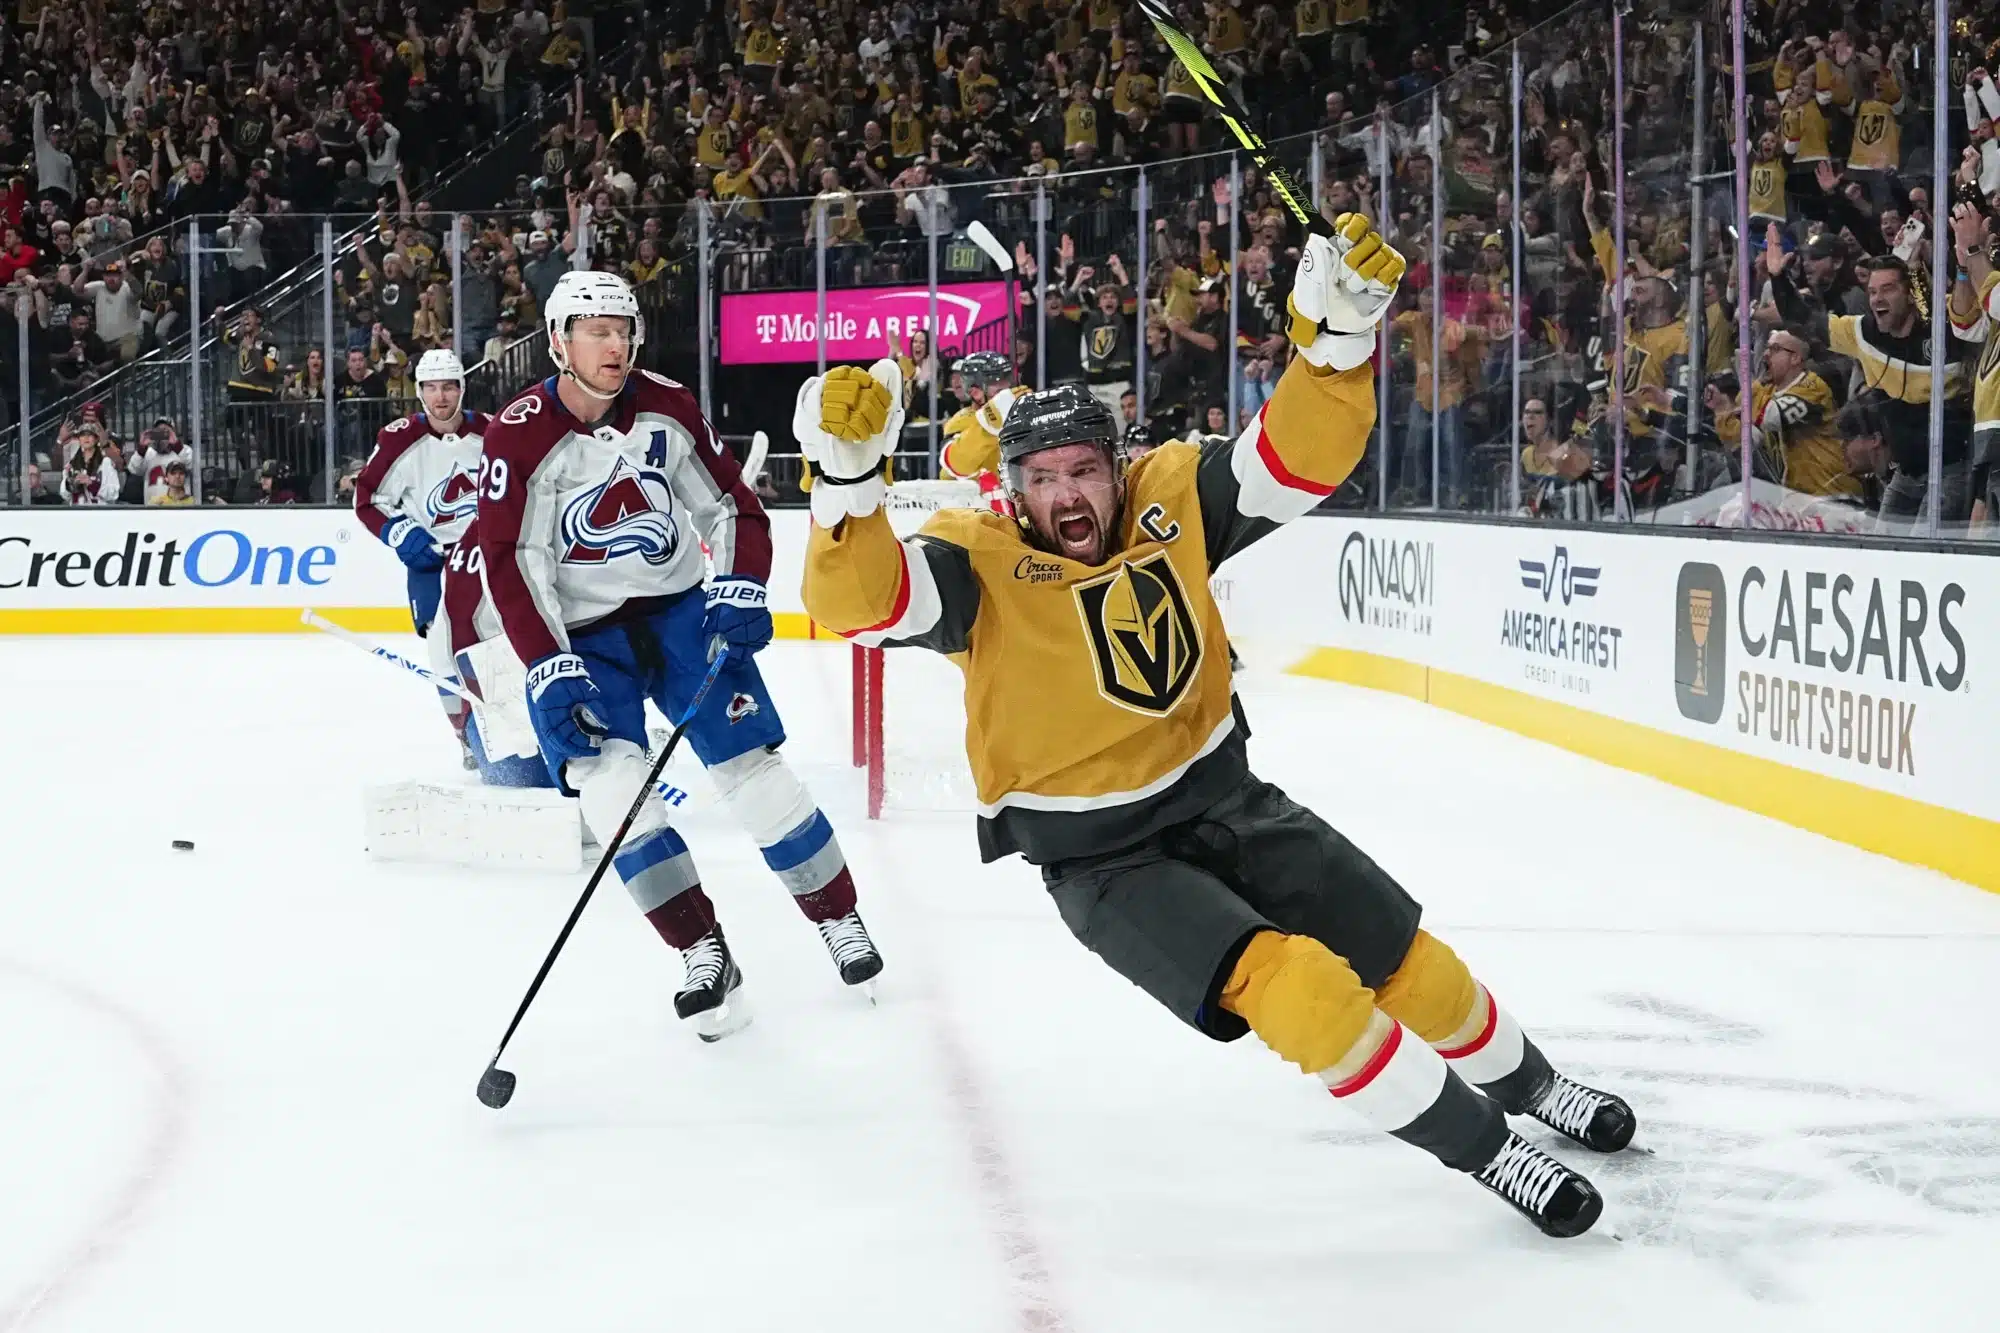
(419, 472)
(575, 522)
(465, 610)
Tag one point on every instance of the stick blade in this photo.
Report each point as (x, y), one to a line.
(496, 1087)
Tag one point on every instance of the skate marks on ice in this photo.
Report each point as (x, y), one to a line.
(1749, 1172)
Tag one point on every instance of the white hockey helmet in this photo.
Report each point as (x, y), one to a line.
(439, 364)
(580, 294)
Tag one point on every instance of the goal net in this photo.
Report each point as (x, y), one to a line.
(909, 705)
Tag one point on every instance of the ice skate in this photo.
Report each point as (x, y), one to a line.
(712, 995)
(1597, 1120)
(1559, 1201)
(852, 951)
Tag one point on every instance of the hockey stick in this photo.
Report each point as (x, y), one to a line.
(496, 1085)
(1234, 116)
(373, 649)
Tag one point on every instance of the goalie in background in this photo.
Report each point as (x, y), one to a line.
(1109, 750)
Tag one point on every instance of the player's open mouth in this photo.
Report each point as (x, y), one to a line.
(1076, 534)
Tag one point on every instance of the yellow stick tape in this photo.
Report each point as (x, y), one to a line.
(1963, 846)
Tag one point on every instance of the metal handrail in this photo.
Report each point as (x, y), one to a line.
(279, 296)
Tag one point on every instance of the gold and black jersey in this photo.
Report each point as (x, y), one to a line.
(1097, 698)
(1767, 189)
(1795, 424)
(1312, 18)
(1804, 128)
(1347, 13)
(972, 440)
(1878, 138)
(1180, 84)
(1986, 385)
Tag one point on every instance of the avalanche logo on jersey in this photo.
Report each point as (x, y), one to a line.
(628, 513)
(740, 707)
(454, 498)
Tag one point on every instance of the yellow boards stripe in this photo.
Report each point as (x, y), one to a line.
(259, 620)
(1963, 846)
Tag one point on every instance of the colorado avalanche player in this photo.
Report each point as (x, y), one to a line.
(417, 492)
(596, 492)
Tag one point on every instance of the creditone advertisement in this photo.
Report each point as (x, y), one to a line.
(1864, 666)
(120, 570)
(765, 327)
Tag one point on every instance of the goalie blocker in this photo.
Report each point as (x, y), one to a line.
(1122, 770)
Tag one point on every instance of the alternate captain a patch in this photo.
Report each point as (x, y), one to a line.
(1143, 634)
(740, 707)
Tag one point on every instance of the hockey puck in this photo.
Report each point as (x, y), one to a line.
(183, 845)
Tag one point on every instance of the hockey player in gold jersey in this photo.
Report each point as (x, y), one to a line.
(972, 434)
(1108, 748)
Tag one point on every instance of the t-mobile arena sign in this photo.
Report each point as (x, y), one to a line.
(778, 326)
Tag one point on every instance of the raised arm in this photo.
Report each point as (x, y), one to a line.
(1313, 432)
(860, 582)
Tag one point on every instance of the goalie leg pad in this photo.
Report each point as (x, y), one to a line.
(1301, 998)
(777, 811)
(653, 861)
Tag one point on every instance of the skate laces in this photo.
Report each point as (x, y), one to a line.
(1524, 1174)
(704, 960)
(846, 939)
(1568, 1106)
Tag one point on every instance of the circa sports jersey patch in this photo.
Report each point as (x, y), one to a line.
(628, 513)
(454, 497)
(1142, 634)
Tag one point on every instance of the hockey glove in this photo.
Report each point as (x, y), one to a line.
(1344, 287)
(412, 545)
(737, 616)
(562, 701)
(847, 422)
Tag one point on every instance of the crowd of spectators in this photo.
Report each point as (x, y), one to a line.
(764, 122)
(119, 122)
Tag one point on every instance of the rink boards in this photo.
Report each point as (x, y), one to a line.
(1839, 688)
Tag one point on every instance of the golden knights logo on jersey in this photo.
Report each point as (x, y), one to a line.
(1871, 128)
(1103, 341)
(1142, 633)
(628, 513)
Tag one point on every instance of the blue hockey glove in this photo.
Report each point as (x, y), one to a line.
(563, 701)
(737, 615)
(412, 545)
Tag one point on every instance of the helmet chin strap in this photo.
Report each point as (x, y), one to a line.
(564, 369)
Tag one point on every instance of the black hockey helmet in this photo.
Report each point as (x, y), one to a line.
(1066, 414)
(986, 370)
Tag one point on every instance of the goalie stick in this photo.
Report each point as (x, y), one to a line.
(373, 649)
(1217, 91)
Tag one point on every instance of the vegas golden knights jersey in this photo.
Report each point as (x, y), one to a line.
(1799, 438)
(1986, 387)
(972, 440)
(1097, 698)
(1767, 190)
(1878, 139)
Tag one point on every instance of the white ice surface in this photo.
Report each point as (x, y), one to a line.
(236, 1085)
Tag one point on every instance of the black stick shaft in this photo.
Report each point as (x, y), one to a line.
(610, 851)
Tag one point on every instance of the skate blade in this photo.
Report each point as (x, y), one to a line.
(867, 988)
(719, 1022)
